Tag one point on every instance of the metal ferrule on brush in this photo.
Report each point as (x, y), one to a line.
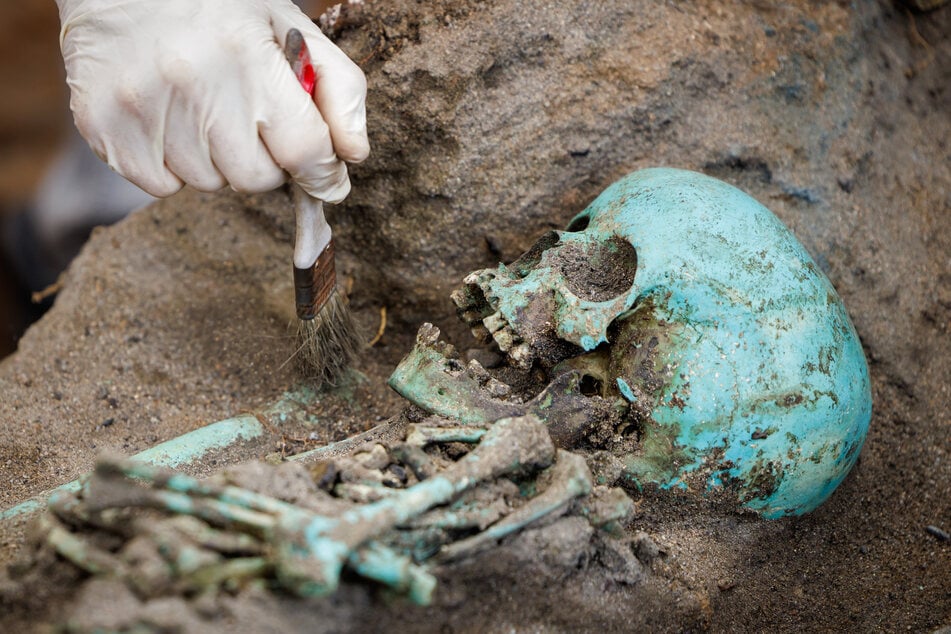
(314, 284)
(314, 273)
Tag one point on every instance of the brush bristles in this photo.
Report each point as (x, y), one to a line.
(328, 343)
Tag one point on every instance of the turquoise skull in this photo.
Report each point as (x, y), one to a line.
(686, 299)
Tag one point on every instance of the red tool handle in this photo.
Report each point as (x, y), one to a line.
(298, 56)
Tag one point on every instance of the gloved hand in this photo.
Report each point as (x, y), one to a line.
(170, 92)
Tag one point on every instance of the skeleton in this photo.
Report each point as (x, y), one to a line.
(687, 340)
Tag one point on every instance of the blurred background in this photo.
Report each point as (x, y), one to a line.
(34, 122)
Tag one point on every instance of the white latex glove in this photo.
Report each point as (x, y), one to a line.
(198, 92)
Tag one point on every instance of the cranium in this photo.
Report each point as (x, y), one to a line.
(691, 303)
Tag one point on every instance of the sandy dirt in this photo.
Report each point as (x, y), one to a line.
(491, 123)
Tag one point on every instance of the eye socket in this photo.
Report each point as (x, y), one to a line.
(530, 259)
(599, 271)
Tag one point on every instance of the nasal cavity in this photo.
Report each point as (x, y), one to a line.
(599, 271)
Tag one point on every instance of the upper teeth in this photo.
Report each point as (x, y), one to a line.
(477, 311)
(494, 323)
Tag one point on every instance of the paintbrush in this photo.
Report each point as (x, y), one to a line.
(327, 336)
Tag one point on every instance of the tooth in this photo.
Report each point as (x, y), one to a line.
(480, 332)
(497, 389)
(479, 278)
(494, 322)
(428, 335)
(472, 317)
(478, 372)
(460, 298)
(505, 338)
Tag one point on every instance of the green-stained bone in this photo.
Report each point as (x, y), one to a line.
(80, 553)
(457, 517)
(428, 374)
(383, 564)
